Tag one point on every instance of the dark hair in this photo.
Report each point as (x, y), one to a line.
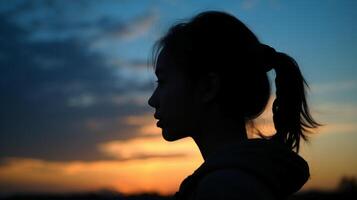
(218, 42)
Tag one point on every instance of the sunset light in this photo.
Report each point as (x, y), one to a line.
(76, 79)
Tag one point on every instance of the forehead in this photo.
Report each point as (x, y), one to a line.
(162, 63)
(165, 64)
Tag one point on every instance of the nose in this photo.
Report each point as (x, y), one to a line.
(152, 100)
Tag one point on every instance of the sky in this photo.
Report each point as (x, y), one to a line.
(75, 82)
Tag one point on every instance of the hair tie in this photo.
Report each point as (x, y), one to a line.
(269, 57)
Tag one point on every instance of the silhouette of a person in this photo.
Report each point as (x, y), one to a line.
(212, 80)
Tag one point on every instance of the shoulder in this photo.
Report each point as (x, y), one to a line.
(231, 184)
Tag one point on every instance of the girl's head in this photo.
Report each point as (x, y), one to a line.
(215, 62)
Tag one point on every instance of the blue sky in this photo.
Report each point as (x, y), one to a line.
(71, 71)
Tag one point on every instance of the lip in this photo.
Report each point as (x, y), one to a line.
(158, 124)
(156, 116)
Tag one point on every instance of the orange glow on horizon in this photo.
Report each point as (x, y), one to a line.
(151, 164)
(131, 176)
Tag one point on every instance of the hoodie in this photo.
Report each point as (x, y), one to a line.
(281, 170)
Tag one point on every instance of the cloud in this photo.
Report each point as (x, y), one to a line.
(79, 21)
(134, 63)
(249, 4)
(18, 7)
(134, 28)
(334, 87)
(337, 112)
(160, 174)
(338, 128)
(51, 89)
(139, 148)
(112, 30)
(337, 118)
(141, 164)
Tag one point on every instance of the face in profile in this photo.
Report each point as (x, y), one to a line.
(172, 99)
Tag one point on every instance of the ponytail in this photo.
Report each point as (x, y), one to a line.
(291, 115)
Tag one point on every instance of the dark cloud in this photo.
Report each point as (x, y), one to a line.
(19, 7)
(135, 27)
(50, 91)
(60, 21)
(149, 156)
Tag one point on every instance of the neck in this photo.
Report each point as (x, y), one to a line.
(217, 133)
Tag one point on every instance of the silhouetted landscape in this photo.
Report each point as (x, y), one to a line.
(347, 190)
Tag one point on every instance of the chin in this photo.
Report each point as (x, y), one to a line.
(168, 136)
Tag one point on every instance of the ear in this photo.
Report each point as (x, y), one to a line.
(209, 87)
